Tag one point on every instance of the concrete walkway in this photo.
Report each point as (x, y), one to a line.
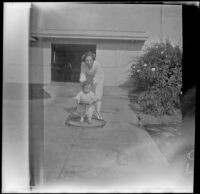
(118, 153)
(117, 158)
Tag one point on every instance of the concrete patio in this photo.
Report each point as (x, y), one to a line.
(120, 152)
(119, 157)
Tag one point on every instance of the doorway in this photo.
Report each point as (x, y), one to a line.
(66, 61)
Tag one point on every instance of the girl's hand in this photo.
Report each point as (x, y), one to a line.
(82, 77)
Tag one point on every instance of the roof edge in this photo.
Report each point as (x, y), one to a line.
(89, 36)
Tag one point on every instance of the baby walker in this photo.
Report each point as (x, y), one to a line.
(74, 118)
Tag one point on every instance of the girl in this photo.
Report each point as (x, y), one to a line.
(91, 70)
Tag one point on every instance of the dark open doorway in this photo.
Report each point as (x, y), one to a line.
(66, 61)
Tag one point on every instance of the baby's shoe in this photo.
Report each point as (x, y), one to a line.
(99, 116)
(82, 120)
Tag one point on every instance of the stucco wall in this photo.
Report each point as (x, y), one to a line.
(114, 55)
(36, 64)
(47, 61)
(116, 58)
(40, 62)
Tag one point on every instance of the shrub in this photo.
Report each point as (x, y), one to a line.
(158, 73)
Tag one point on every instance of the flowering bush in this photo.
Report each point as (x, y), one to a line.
(158, 73)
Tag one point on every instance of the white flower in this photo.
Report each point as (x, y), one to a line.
(145, 64)
(153, 69)
(138, 70)
(162, 52)
(133, 67)
(181, 92)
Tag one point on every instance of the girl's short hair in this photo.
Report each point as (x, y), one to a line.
(85, 83)
(89, 53)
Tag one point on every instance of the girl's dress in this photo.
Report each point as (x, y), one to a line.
(95, 76)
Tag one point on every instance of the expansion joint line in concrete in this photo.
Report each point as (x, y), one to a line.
(67, 155)
(163, 156)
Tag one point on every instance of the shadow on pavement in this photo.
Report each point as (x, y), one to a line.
(70, 110)
(36, 91)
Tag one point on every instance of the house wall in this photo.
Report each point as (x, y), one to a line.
(36, 63)
(40, 62)
(115, 57)
(127, 17)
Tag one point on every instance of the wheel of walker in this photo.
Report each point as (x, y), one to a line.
(75, 122)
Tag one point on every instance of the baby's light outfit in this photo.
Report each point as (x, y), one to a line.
(85, 106)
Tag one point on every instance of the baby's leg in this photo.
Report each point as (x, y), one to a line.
(82, 114)
(81, 109)
(98, 106)
(90, 112)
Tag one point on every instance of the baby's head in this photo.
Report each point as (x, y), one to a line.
(86, 87)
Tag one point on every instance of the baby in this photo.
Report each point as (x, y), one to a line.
(85, 99)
